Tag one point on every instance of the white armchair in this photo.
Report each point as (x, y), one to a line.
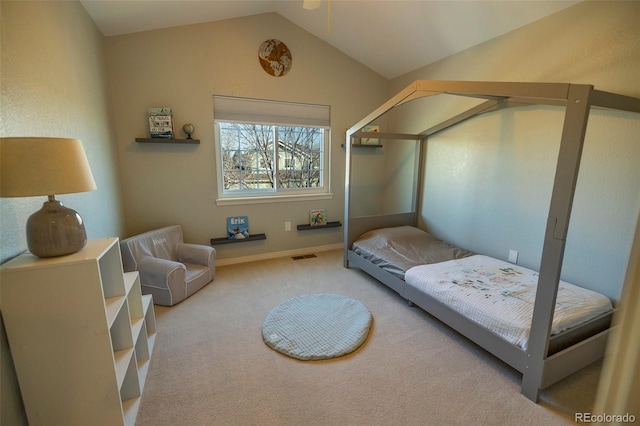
(169, 269)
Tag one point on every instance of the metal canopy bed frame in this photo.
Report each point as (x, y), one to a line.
(540, 364)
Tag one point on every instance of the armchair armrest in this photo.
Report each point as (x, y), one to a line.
(196, 253)
(156, 272)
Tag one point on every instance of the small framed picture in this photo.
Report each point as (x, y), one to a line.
(370, 141)
(160, 123)
(317, 217)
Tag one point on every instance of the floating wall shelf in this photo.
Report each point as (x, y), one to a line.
(362, 145)
(307, 227)
(164, 140)
(225, 240)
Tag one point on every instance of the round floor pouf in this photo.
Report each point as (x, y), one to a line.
(317, 326)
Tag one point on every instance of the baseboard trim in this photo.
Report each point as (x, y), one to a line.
(275, 254)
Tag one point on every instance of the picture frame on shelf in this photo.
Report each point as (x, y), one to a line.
(370, 129)
(160, 123)
(317, 217)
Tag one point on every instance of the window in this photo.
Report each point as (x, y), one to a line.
(270, 151)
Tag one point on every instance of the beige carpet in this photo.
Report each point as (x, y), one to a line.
(211, 367)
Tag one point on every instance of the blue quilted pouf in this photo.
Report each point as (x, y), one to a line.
(317, 326)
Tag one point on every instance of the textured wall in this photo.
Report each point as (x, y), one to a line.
(489, 180)
(53, 83)
(182, 68)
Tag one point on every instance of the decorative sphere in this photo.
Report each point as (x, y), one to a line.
(188, 128)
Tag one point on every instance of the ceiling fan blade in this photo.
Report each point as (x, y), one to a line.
(311, 4)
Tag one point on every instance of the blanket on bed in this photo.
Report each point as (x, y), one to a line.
(399, 248)
(500, 296)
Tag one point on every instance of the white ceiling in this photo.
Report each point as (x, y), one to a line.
(392, 37)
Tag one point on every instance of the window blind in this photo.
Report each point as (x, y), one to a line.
(273, 112)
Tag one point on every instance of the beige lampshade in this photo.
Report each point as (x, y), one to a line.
(47, 166)
(32, 166)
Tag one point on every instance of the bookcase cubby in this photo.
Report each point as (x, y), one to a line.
(81, 335)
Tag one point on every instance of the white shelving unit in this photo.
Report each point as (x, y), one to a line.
(81, 335)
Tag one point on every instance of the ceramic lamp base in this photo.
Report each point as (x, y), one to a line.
(55, 230)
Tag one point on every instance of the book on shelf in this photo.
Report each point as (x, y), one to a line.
(317, 217)
(237, 227)
(160, 123)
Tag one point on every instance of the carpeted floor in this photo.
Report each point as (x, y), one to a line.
(211, 367)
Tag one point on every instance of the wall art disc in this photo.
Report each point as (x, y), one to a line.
(275, 57)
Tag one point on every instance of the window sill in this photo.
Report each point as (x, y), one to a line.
(235, 201)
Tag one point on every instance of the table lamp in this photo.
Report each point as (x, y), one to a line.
(33, 166)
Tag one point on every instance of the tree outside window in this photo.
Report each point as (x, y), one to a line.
(252, 160)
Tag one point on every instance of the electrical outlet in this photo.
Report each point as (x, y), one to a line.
(513, 256)
(287, 226)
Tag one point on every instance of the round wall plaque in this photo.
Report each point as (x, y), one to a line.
(275, 57)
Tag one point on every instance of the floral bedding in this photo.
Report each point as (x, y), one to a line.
(500, 296)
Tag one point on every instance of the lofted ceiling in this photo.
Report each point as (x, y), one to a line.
(392, 37)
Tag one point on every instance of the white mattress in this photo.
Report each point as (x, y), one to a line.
(500, 296)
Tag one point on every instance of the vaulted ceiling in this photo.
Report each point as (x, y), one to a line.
(392, 37)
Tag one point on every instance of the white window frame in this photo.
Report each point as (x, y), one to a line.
(273, 113)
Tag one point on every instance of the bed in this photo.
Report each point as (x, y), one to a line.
(492, 293)
(545, 350)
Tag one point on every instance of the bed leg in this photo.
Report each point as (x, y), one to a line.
(533, 395)
(530, 385)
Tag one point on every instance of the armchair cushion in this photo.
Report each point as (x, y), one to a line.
(196, 254)
(169, 269)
